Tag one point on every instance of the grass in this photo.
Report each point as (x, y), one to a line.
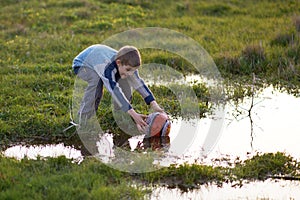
(266, 165)
(39, 41)
(61, 178)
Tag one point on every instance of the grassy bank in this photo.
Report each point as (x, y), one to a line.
(59, 178)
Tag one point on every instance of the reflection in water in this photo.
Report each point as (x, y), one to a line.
(268, 189)
(136, 143)
(272, 125)
(155, 143)
(43, 151)
(105, 146)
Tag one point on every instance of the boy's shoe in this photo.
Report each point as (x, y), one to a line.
(71, 124)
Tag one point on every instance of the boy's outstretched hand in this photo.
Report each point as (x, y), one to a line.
(139, 119)
(156, 107)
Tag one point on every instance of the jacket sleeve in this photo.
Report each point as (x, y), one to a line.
(115, 90)
(138, 84)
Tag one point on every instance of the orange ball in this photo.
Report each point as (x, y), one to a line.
(159, 125)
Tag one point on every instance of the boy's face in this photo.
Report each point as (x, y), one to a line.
(125, 70)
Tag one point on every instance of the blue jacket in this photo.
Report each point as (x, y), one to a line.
(101, 58)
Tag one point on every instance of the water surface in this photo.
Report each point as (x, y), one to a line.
(269, 189)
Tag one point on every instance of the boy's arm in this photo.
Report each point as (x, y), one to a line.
(154, 105)
(116, 92)
(119, 97)
(114, 89)
(140, 86)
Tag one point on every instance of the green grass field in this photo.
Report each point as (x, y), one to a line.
(40, 39)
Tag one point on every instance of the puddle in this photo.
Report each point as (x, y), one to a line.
(272, 126)
(43, 151)
(268, 189)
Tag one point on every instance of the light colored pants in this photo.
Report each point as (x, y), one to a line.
(94, 91)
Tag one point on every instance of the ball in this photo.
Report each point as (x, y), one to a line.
(159, 125)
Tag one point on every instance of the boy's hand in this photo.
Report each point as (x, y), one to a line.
(139, 119)
(142, 129)
(156, 107)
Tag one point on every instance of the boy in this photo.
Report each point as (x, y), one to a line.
(100, 65)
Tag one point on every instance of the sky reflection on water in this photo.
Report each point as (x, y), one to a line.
(275, 124)
(269, 189)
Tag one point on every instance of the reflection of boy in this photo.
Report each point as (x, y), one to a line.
(100, 65)
(155, 143)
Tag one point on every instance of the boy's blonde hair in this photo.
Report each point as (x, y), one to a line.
(129, 55)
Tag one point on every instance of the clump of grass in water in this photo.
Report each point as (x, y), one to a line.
(259, 167)
(185, 176)
(267, 165)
